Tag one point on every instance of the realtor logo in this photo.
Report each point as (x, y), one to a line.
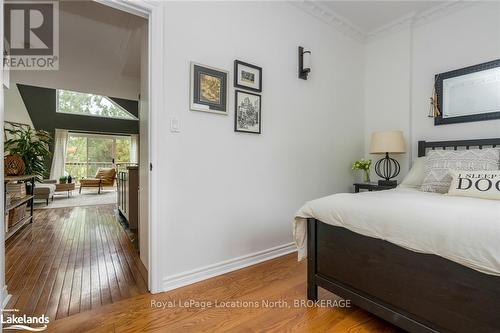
(31, 35)
(10, 319)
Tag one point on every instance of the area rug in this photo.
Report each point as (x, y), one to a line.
(87, 198)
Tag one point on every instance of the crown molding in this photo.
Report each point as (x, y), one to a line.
(350, 29)
(415, 20)
(399, 24)
(442, 10)
(331, 18)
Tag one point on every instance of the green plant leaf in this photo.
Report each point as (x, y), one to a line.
(32, 146)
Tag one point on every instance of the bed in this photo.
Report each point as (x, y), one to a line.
(415, 284)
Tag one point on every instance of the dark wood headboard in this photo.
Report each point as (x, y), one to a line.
(454, 145)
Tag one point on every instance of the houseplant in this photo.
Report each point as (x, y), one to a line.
(63, 180)
(33, 147)
(364, 165)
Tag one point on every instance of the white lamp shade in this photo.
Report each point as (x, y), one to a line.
(388, 142)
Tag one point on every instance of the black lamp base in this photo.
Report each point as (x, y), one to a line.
(387, 168)
(383, 182)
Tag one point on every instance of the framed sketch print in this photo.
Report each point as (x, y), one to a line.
(248, 113)
(208, 89)
(247, 76)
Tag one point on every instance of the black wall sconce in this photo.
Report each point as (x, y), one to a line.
(304, 63)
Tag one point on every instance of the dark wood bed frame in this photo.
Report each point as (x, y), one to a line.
(417, 292)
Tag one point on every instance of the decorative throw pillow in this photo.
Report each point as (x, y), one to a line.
(439, 162)
(415, 176)
(476, 184)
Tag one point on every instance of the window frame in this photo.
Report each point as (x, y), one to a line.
(134, 118)
(88, 136)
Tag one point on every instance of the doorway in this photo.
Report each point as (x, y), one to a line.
(86, 166)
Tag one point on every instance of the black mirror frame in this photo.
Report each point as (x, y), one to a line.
(439, 120)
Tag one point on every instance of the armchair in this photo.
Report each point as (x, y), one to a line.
(103, 177)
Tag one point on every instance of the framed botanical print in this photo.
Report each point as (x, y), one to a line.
(208, 89)
(247, 76)
(248, 112)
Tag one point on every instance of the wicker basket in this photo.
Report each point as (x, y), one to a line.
(8, 198)
(17, 190)
(14, 165)
(17, 214)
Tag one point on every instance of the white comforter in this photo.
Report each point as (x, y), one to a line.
(464, 230)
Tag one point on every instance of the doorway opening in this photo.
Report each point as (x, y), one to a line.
(87, 242)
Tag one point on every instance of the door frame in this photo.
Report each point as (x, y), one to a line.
(154, 12)
(4, 295)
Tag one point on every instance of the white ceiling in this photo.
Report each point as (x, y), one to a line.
(369, 16)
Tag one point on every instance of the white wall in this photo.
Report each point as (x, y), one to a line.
(15, 110)
(387, 105)
(468, 37)
(223, 194)
(401, 67)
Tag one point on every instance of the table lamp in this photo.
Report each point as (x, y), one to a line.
(385, 142)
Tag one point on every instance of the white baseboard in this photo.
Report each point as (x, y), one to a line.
(4, 297)
(203, 273)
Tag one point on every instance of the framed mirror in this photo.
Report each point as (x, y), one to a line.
(469, 94)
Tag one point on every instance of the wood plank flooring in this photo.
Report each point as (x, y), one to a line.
(71, 260)
(281, 279)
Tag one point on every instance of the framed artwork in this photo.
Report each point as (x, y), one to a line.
(247, 76)
(208, 89)
(9, 125)
(248, 112)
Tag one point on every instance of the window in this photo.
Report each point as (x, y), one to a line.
(85, 153)
(73, 102)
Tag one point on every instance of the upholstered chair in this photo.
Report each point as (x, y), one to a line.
(103, 177)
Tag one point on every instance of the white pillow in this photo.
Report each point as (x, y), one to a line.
(439, 162)
(416, 175)
(476, 184)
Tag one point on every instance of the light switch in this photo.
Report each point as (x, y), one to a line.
(175, 126)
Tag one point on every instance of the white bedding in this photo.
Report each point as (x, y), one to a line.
(463, 230)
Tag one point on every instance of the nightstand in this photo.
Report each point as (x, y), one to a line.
(371, 187)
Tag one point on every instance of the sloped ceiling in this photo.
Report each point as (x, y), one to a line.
(101, 35)
(99, 52)
(41, 105)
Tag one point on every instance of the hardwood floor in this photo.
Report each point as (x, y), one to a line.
(281, 279)
(71, 260)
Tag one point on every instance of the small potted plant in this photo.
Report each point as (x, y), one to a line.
(364, 165)
(63, 180)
